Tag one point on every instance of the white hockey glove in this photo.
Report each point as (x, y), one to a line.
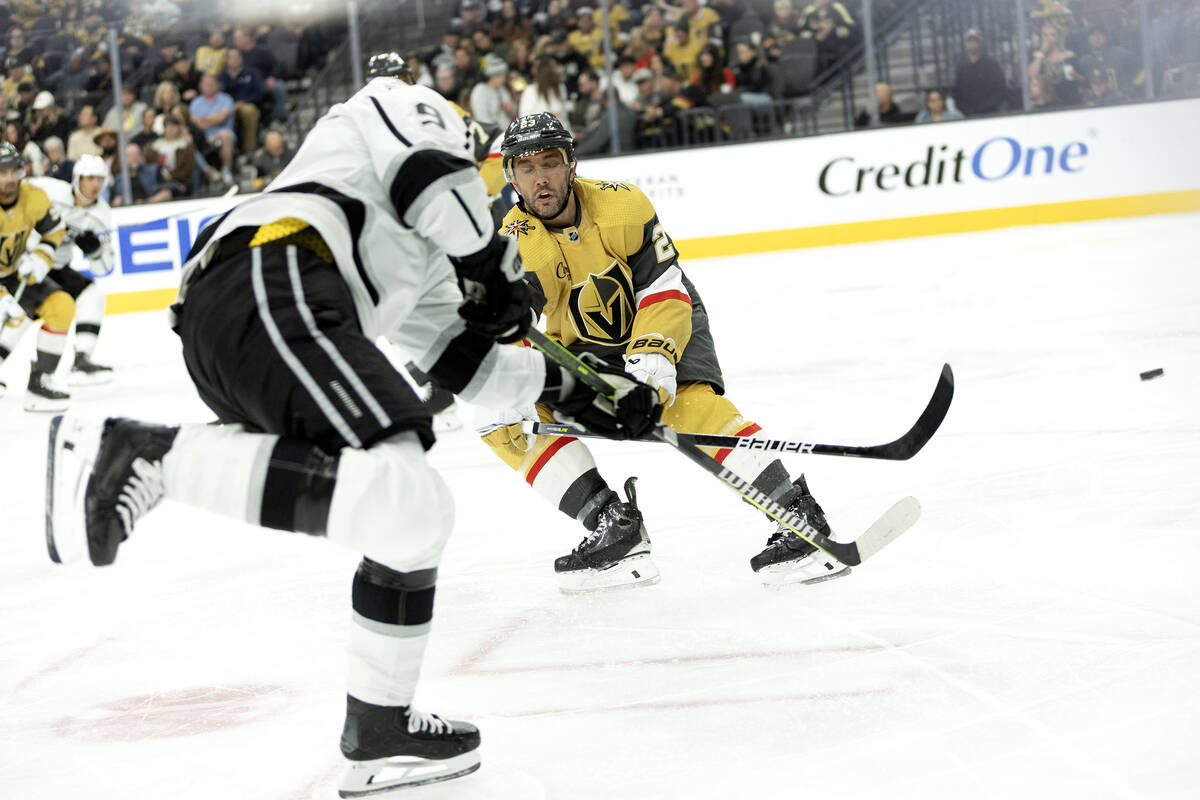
(653, 369)
(101, 259)
(502, 429)
(32, 268)
(9, 308)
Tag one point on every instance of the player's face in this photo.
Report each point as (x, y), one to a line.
(89, 187)
(543, 180)
(10, 177)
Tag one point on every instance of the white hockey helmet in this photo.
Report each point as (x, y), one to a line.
(88, 166)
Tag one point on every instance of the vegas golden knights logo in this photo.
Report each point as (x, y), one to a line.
(602, 307)
(11, 247)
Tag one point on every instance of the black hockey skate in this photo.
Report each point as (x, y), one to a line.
(615, 555)
(101, 480)
(41, 396)
(85, 372)
(789, 558)
(395, 747)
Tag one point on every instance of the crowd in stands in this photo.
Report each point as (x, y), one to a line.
(197, 94)
(514, 57)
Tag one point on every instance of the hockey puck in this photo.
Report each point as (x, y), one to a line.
(1151, 374)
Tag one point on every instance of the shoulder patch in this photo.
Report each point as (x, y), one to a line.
(516, 228)
(611, 186)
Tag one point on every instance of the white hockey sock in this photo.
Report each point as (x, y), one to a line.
(219, 468)
(762, 469)
(392, 616)
(89, 313)
(50, 347)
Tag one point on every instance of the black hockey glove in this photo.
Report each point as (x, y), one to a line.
(496, 296)
(88, 242)
(636, 412)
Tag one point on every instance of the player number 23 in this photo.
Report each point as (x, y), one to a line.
(663, 247)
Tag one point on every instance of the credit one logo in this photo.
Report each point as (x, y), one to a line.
(996, 159)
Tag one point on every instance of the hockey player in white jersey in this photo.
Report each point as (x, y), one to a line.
(89, 226)
(370, 231)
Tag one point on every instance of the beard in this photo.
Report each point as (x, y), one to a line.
(562, 205)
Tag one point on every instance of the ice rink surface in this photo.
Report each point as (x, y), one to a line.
(1036, 634)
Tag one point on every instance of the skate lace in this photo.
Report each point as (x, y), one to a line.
(420, 722)
(141, 492)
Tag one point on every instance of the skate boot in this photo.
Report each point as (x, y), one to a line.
(42, 396)
(790, 559)
(85, 372)
(396, 747)
(101, 480)
(614, 556)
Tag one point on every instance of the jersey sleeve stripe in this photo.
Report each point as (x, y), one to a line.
(467, 211)
(424, 175)
(49, 223)
(388, 122)
(659, 297)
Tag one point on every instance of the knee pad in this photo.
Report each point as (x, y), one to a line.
(57, 311)
(390, 505)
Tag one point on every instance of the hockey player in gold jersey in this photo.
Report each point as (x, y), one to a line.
(606, 275)
(30, 230)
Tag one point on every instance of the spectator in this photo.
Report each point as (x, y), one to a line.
(547, 92)
(704, 24)
(1114, 61)
(129, 117)
(245, 85)
(175, 157)
(271, 159)
(711, 76)
(783, 27)
(484, 45)
(20, 50)
(472, 17)
(35, 159)
(166, 97)
(831, 26)
(660, 120)
(750, 76)
(591, 119)
(466, 69)
(83, 141)
(935, 109)
(1103, 88)
(100, 83)
(587, 39)
(558, 17)
(681, 51)
(521, 58)
(622, 79)
(1056, 67)
(47, 119)
(147, 134)
(1041, 93)
(570, 62)
(207, 153)
(451, 39)
(491, 103)
(143, 182)
(26, 94)
(106, 141)
(654, 29)
(889, 112)
(70, 83)
(510, 26)
(212, 111)
(979, 84)
(57, 164)
(18, 75)
(421, 75)
(210, 58)
(260, 58)
(445, 82)
(185, 77)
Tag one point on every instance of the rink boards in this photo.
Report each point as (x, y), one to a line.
(896, 183)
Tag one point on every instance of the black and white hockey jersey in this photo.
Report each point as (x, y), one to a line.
(388, 180)
(95, 219)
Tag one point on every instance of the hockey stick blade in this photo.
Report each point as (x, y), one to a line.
(901, 449)
(849, 553)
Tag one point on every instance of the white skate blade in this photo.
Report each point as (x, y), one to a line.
(79, 378)
(35, 402)
(72, 451)
(383, 775)
(628, 573)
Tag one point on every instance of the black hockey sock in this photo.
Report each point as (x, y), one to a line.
(46, 362)
(776, 483)
(298, 488)
(586, 497)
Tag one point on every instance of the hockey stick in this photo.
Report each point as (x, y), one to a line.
(893, 523)
(901, 449)
(13, 320)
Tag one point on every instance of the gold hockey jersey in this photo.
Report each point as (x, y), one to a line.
(611, 282)
(32, 213)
